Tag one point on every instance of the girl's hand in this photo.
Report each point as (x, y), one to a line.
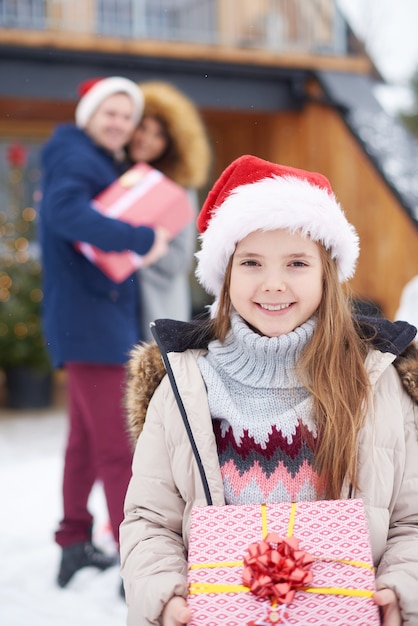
(176, 612)
(388, 602)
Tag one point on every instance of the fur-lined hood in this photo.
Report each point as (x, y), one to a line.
(146, 369)
(192, 154)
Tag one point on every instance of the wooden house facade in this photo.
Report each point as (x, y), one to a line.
(275, 79)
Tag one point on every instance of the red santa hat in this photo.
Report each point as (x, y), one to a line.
(94, 91)
(253, 194)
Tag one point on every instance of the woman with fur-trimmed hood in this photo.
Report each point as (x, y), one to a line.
(172, 138)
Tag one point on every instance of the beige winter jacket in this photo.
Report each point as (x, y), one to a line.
(167, 482)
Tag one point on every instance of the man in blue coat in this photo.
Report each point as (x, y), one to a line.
(90, 322)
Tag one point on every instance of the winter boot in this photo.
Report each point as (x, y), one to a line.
(80, 555)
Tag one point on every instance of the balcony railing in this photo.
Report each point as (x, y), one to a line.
(310, 26)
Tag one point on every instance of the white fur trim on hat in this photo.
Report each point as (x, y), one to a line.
(271, 203)
(104, 88)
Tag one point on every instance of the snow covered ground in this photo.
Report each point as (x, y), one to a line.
(31, 460)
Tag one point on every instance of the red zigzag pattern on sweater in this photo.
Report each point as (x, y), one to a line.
(274, 463)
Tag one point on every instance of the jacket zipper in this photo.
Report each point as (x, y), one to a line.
(183, 414)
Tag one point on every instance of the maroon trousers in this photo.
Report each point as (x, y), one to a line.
(98, 448)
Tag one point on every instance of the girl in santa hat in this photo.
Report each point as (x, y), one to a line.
(171, 137)
(283, 395)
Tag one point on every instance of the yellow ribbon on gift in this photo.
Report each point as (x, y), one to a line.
(198, 588)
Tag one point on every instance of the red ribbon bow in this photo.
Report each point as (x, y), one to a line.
(275, 568)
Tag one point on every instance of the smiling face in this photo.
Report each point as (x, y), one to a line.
(276, 280)
(149, 141)
(112, 123)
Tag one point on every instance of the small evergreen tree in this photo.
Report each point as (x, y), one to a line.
(21, 339)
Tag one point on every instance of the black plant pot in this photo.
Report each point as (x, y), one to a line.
(28, 388)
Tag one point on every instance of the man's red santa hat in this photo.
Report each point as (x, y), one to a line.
(94, 91)
(252, 194)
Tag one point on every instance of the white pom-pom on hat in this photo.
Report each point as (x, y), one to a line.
(253, 194)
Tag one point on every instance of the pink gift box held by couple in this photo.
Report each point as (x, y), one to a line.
(141, 196)
(324, 546)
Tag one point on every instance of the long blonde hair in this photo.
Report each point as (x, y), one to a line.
(332, 369)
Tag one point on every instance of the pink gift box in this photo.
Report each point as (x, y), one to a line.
(334, 532)
(142, 196)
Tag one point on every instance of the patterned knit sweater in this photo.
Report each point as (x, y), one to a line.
(262, 415)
